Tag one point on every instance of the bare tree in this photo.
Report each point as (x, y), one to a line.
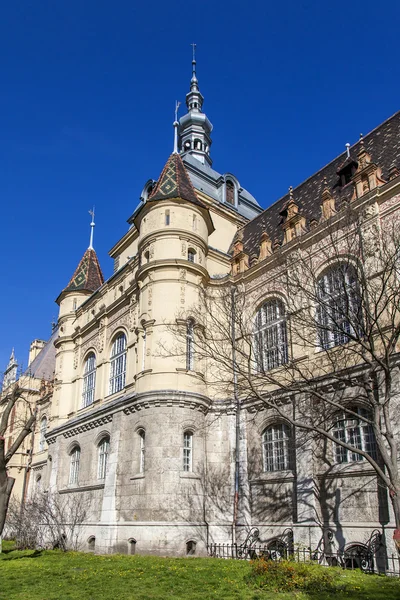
(47, 521)
(8, 404)
(318, 345)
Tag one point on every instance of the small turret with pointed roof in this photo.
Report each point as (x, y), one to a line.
(10, 373)
(88, 276)
(195, 127)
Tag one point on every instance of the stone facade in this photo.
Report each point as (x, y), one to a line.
(170, 433)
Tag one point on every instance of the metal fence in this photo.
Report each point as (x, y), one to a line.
(369, 561)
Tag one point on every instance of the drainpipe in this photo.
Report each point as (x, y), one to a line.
(237, 406)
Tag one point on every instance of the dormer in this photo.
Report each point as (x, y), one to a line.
(240, 260)
(368, 175)
(346, 171)
(293, 223)
(328, 202)
(230, 191)
(265, 246)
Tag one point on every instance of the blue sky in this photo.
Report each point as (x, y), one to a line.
(86, 109)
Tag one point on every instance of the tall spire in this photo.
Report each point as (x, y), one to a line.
(176, 125)
(92, 225)
(193, 81)
(195, 127)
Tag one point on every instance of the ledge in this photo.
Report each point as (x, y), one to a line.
(189, 475)
(138, 476)
(274, 477)
(83, 488)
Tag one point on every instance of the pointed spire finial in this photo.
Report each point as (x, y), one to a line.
(194, 81)
(92, 224)
(176, 125)
(348, 149)
(291, 193)
(361, 142)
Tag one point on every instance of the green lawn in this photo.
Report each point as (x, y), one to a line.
(53, 575)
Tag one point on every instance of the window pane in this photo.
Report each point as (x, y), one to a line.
(270, 336)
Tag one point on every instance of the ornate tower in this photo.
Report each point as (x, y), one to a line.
(195, 127)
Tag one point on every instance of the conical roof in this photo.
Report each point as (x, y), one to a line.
(88, 276)
(174, 182)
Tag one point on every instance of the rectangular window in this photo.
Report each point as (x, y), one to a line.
(187, 451)
(167, 217)
(142, 448)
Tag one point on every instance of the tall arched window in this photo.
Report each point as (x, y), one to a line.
(42, 434)
(104, 450)
(276, 447)
(142, 441)
(356, 432)
(190, 345)
(89, 380)
(339, 312)
(188, 451)
(118, 364)
(270, 336)
(75, 459)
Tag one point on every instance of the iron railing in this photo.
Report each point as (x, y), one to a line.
(370, 561)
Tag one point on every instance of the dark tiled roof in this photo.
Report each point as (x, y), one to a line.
(88, 276)
(383, 144)
(42, 367)
(174, 182)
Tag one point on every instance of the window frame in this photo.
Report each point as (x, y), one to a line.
(142, 449)
(334, 287)
(89, 380)
(191, 255)
(74, 466)
(271, 346)
(360, 435)
(187, 457)
(276, 451)
(103, 453)
(118, 364)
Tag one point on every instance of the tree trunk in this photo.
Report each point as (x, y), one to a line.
(395, 499)
(5, 494)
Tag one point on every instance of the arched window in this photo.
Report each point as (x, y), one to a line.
(197, 144)
(190, 345)
(188, 451)
(91, 543)
(276, 447)
(190, 548)
(118, 364)
(230, 192)
(270, 337)
(191, 255)
(89, 380)
(42, 433)
(356, 432)
(142, 441)
(38, 484)
(75, 458)
(338, 305)
(104, 451)
(131, 546)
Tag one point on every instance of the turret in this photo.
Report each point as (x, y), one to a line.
(174, 226)
(86, 279)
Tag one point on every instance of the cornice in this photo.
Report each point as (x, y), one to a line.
(128, 403)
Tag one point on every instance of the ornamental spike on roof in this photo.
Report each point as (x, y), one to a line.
(88, 276)
(174, 182)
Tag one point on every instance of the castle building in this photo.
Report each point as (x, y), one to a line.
(135, 425)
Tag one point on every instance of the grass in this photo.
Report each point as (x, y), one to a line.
(53, 575)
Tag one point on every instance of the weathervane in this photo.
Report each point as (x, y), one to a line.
(91, 213)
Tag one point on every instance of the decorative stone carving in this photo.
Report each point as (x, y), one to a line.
(183, 249)
(182, 273)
